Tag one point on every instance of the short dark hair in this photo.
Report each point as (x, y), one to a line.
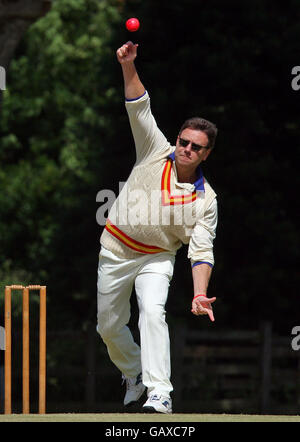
(197, 123)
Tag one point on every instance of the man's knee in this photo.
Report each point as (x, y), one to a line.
(106, 331)
(152, 313)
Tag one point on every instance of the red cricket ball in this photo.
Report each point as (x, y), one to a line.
(132, 24)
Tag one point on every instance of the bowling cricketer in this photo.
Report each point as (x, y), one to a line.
(166, 202)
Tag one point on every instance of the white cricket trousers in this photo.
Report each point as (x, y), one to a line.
(151, 275)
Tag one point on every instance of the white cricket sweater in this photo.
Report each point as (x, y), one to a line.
(154, 212)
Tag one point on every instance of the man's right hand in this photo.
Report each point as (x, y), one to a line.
(127, 52)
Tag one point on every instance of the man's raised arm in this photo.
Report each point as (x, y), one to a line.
(133, 86)
(149, 140)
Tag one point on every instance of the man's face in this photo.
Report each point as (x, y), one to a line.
(194, 151)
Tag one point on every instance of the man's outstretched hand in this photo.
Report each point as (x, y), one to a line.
(201, 305)
(127, 52)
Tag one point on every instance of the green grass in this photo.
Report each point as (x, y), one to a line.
(138, 417)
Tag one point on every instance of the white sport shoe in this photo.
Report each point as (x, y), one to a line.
(134, 389)
(158, 404)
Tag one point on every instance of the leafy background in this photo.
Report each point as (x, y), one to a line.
(65, 136)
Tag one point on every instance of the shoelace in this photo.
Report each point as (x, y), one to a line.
(154, 397)
(124, 379)
(157, 398)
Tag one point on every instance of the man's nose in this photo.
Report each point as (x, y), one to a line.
(188, 147)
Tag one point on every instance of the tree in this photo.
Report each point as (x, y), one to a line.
(65, 136)
(57, 121)
(64, 126)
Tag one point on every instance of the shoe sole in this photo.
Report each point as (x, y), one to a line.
(131, 404)
(149, 409)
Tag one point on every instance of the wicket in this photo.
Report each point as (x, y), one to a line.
(25, 356)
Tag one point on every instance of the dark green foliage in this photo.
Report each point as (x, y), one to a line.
(65, 136)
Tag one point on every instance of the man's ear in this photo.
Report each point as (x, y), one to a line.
(208, 151)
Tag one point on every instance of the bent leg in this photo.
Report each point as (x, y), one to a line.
(115, 283)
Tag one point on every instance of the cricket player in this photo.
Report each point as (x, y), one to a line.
(166, 202)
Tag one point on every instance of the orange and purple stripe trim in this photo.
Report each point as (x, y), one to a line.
(130, 242)
(167, 198)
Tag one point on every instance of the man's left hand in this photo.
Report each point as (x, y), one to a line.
(201, 305)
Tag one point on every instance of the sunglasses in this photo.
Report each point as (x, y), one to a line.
(185, 143)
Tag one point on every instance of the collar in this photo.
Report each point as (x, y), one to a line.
(199, 183)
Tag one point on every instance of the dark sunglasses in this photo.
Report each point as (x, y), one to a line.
(185, 143)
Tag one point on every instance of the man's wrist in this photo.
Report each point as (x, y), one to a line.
(199, 294)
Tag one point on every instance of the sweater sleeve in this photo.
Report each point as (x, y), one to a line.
(201, 242)
(148, 138)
